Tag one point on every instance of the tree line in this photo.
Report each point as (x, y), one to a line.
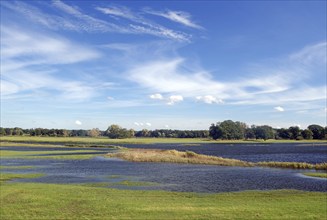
(226, 130)
(113, 131)
(230, 130)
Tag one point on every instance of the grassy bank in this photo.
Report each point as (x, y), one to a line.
(293, 165)
(48, 154)
(54, 201)
(4, 177)
(106, 141)
(174, 156)
(320, 175)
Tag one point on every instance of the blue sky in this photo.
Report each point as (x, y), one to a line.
(162, 64)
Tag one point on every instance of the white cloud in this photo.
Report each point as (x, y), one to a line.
(136, 123)
(110, 98)
(156, 96)
(78, 122)
(181, 17)
(174, 99)
(263, 84)
(148, 124)
(166, 126)
(43, 52)
(279, 108)
(209, 99)
(41, 48)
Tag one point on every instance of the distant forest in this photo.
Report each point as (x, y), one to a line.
(226, 130)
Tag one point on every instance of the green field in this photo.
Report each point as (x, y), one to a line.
(56, 201)
(106, 141)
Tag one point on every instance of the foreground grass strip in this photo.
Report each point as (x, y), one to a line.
(54, 201)
(174, 156)
(320, 175)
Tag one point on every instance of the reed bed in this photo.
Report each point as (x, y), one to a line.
(293, 165)
(174, 156)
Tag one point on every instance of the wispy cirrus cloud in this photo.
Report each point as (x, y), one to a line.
(41, 48)
(28, 65)
(72, 18)
(143, 25)
(180, 17)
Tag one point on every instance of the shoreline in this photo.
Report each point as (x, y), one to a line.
(103, 141)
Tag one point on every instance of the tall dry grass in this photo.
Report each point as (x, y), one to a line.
(174, 156)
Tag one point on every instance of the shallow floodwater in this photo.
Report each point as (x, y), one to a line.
(183, 177)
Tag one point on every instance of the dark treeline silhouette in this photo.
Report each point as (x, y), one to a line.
(226, 130)
(230, 130)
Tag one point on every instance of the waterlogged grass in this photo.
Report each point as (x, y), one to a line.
(320, 175)
(11, 176)
(54, 201)
(47, 154)
(16, 167)
(174, 156)
(106, 141)
(293, 165)
(127, 183)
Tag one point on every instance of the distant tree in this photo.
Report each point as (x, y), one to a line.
(145, 133)
(283, 134)
(17, 131)
(9, 131)
(95, 132)
(264, 132)
(232, 130)
(295, 132)
(307, 134)
(249, 133)
(115, 132)
(130, 133)
(318, 132)
(215, 131)
(2, 131)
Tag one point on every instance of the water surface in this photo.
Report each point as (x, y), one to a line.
(183, 177)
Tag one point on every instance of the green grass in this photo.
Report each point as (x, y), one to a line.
(102, 141)
(16, 167)
(54, 201)
(4, 177)
(320, 175)
(40, 154)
